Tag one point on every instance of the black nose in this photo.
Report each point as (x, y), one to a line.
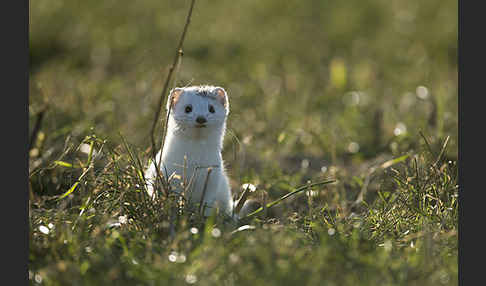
(201, 120)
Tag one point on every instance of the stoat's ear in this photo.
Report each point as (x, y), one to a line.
(174, 96)
(222, 98)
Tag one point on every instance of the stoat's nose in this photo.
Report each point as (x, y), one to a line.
(201, 120)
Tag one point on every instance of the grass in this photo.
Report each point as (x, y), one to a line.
(108, 231)
(364, 94)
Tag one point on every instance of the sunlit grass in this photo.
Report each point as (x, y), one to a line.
(395, 235)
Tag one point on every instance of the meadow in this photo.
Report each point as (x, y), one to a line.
(360, 93)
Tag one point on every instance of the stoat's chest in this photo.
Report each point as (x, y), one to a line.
(186, 163)
(191, 153)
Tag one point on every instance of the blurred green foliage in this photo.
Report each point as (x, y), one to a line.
(322, 74)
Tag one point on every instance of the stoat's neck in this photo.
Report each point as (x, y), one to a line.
(201, 146)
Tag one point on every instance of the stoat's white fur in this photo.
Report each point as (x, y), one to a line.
(200, 144)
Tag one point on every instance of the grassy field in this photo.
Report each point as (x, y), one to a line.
(360, 92)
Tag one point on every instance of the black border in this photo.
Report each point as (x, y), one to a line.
(14, 25)
(471, 121)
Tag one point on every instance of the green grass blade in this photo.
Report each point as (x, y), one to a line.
(65, 164)
(90, 155)
(394, 161)
(298, 190)
(69, 191)
(75, 184)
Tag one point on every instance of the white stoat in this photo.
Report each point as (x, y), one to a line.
(194, 139)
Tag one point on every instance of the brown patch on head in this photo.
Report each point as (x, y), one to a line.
(174, 97)
(221, 96)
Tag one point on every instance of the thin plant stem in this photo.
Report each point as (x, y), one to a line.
(175, 63)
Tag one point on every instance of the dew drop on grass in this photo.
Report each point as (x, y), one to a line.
(44, 229)
(216, 232)
(34, 152)
(173, 256)
(245, 227)
(122, 219)
(331, 231)
(312, 193)
(249, 186)
(233, 258)
(181, 258)
(400, 129)
(305, 164)
(191, 278)
(422, 92)
(353, 147)
(247, 140)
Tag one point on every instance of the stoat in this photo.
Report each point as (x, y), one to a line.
(193, 143)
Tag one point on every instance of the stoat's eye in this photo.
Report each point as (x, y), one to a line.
(211, 108)
(188, 108)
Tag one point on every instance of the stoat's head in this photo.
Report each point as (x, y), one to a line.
(198, 110)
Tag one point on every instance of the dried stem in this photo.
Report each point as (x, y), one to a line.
(298, 190)
(204, 190)
(176, 62)
(242, 200)
(37, 126)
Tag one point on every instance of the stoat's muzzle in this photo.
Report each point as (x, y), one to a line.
(201, 122)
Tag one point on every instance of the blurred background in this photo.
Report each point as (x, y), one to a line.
(312, 84)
